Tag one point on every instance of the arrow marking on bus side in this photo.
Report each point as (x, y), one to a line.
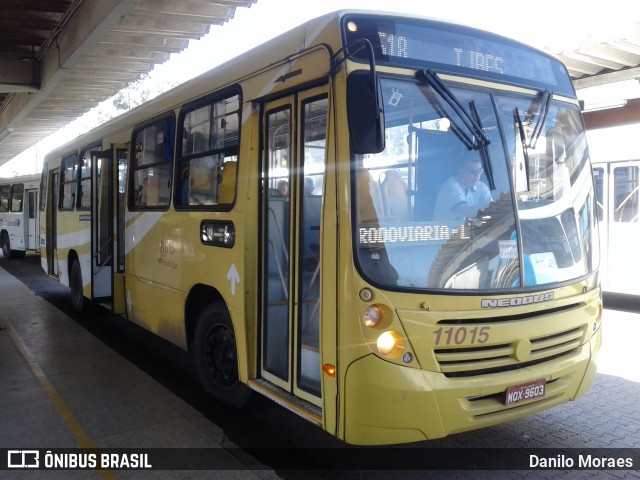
(233, 277)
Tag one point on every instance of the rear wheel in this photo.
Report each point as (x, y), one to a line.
(216, 357)
(75, 283)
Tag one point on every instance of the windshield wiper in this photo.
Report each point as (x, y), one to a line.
(523, 140)
(484, 151)
(431, 78)
(545, 101)
(480, 140)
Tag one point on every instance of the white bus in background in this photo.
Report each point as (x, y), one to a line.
(616, 173)
(19, 228)
(618, 196)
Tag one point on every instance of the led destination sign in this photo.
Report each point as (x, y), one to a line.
(392, 45)
(408, 42)
(408, 234)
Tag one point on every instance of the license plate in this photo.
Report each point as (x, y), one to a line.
(525, 392)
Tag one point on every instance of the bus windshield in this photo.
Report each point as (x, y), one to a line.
(496, 196)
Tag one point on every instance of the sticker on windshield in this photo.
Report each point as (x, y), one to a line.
(508, 249)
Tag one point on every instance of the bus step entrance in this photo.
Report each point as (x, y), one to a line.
(300, 407)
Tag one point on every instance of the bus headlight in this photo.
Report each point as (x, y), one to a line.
(372, 316)
(390, 344)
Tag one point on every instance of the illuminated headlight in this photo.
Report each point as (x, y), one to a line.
(219, 234)
(372, 316)
(390, 344)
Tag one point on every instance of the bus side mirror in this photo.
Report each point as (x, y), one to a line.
(365, 113)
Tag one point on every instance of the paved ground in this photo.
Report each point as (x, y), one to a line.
(127, 388)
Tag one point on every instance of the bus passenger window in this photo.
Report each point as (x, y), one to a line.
(208, 153)
(152, 165)
(4, 198)
(17, 194)
(84, 191)
(69, 172)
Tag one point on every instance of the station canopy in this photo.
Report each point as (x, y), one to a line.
(61, 58)
(598, 62)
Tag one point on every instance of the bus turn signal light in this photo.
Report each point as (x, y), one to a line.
(329, 369)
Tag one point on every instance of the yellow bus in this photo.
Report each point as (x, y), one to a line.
(19, 225)
(277, 218)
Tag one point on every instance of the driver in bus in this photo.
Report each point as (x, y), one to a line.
(461, 196)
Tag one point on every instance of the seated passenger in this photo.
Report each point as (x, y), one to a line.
(309, 186)
(283, 188)
(461, 197)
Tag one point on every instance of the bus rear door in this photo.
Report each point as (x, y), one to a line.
(33, 229)
(106, 221)
(51, 223)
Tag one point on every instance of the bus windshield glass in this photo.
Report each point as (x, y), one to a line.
(427, 43)
(496, 196)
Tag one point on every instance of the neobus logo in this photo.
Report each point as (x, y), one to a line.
(516, 301)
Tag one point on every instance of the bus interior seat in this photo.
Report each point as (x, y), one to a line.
(370, 207)
(373, 258)
(394, 196)
(228, 183)
(278, 248)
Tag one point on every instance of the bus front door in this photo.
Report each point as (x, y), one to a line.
(293, 165)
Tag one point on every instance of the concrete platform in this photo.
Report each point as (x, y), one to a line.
(60, 387)
(69, 383)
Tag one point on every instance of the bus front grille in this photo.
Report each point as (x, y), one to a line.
(482, 360)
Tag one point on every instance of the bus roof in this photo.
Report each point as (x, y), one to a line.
(324, 30)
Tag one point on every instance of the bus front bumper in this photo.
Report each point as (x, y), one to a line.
(389, 403)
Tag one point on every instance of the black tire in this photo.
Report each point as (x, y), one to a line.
(216, 357)
(6, 246)
(75, 283)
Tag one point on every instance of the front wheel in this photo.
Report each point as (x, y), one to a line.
(216, 357)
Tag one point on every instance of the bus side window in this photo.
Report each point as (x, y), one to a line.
(68, 176)
(208, 152)
(17, 194)
(153, 164)
(4, 198)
